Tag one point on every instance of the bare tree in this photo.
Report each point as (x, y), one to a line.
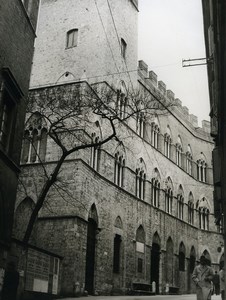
(70, 111)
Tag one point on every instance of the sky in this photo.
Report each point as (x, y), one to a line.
(169, 31)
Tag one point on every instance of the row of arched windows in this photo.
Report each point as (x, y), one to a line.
(140, 192)
(35, 141)
(155, 131)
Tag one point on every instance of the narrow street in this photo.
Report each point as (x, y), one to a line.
(158, 297)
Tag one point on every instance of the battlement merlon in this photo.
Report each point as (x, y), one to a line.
(151, 77)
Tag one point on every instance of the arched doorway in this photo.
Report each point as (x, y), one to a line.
(169, 263)
(155, 261)
(90, 250)
(207, 256)
(191, 266)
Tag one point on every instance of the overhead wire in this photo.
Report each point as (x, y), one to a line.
(106, 34)
(113, 20)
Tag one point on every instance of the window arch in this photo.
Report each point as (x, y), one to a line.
(204, 212)
(182, 257)
(180, 203)
(140, 179)
(155, 134)
(95, 152)
(179, 151)
(191, 209)
(156, 188)
(201, 168)
(189, 160)
(141, 124)
(72, 38)
(121, 101)
(35, 140)
(169, 196)
(167, 143)
(119, 169)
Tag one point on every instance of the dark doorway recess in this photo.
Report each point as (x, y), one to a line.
(155, 258)
(90, 256)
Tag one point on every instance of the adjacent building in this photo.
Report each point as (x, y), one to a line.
(17, 34)
(130, 213)
(214, 31)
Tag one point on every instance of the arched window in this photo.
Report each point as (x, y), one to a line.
(119, 169)
(72, 38)
(203, 214)
(179, 151)
(191, 209)
(121, 102)
(182, 257)
(140, 179)
(156, 188)
(155, 134)
(201, 169)
(141, 124)
(35, 140)
(167, 143)
(189, 161)
(169, 196)
(95, 152)
(180, 203)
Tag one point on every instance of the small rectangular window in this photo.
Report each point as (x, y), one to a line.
(123, 48)
(72, 38)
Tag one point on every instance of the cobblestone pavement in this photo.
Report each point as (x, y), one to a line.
(158, 297)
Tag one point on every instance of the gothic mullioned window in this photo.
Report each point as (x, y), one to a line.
(167, 143)
(35, 140)
(191, 209)
(121, 104)
(180, 204)
(204, 218)
(95, 153)
(189, 161)
(72, 38)
(155, 192)
(204, 213)
(155, 188)
(141, 124)
(169, 196)
(155, 135)
(119, 169)
(201, 170)
(179, 151)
